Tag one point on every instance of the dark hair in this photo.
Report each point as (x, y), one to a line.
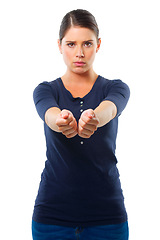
(81, 18)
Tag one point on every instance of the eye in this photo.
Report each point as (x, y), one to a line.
(88, 44)
(71, 44)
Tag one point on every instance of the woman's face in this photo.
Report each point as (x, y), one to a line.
(79, 47)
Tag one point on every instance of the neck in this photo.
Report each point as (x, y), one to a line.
(87, 77)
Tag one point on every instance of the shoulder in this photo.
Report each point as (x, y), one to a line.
(46, 88)
(51, 84)
(115, 84)
(46, 85)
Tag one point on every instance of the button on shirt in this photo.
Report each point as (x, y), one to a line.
(80, 183)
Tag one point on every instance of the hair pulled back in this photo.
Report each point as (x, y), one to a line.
(81, 18)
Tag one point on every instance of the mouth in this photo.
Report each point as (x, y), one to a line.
(79, 64)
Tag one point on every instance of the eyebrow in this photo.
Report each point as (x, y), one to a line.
(83, 41)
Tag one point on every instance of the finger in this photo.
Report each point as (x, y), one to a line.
(64, 128)
(71, 125)
(64, 114)
(70, 133)
(93, 121)
(84, 131)
(84, 135)
(90, 113)
(64, 120)
(92, 126)
(60, 122)
(89, 119)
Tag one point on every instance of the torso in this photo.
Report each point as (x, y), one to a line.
(80, 175)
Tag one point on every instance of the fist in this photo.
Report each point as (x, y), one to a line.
(67, 124)
(87, 124)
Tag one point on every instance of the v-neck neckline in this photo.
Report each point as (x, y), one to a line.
(70, 94)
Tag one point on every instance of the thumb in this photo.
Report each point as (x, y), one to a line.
(90, 113)
(64, 114)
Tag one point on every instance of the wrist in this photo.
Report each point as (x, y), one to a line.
(51, 116)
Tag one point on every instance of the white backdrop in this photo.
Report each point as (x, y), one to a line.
(29, 54)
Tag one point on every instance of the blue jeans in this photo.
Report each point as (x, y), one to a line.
(53, 232)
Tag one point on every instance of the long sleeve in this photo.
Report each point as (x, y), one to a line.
(44, 98)
(118, 92)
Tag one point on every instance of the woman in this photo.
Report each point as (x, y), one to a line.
(80, 192)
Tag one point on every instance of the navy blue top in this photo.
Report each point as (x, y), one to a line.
(80, 183)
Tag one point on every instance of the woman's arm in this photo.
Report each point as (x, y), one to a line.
(51, 117)
(64, 121)
(105, 112)
(90, 119)
(61, 121)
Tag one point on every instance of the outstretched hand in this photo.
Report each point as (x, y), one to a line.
(87, 124)
(67, 124)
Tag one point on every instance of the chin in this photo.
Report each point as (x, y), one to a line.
(80, 70)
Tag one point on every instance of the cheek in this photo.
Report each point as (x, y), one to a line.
(91, 55)
(67, 56)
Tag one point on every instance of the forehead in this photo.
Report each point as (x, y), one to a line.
(79, 34)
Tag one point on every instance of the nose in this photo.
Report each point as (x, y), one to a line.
(80, 52)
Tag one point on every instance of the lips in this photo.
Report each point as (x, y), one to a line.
(79, 64)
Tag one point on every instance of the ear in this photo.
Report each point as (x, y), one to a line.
(98, 44)
(59, 46)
